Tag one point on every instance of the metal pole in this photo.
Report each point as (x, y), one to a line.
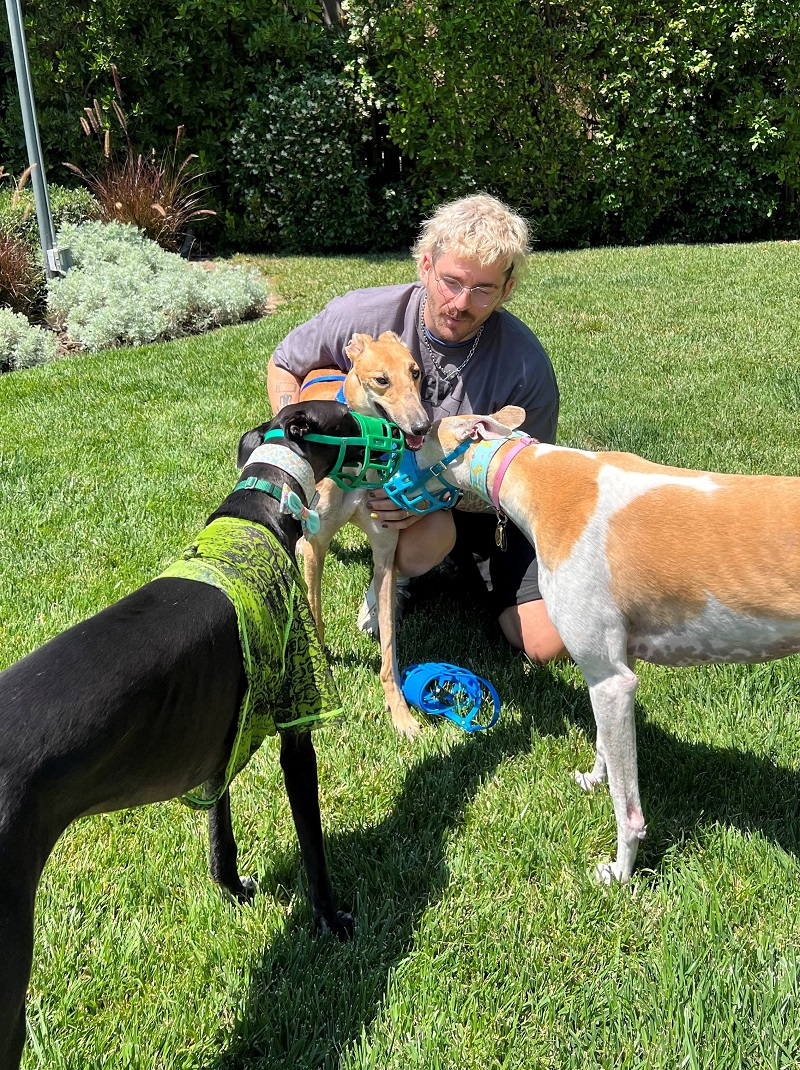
(55, 262)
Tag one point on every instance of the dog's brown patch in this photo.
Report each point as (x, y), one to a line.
(558, 490)
(675, 546)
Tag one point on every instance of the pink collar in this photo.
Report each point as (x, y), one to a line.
(520, 444)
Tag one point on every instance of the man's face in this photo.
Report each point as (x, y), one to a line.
(455, 317)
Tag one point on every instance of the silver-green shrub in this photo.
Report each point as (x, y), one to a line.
(126, 290)
(22, 345)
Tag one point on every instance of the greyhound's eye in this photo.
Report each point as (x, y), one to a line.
(415, 373)
(381, 380)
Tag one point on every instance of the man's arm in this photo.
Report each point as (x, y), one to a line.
(283, 388)
(470, 502)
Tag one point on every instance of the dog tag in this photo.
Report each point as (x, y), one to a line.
(500, 539)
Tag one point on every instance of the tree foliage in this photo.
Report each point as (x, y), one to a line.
(626, 120)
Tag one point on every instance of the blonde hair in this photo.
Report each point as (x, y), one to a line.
(479, 227)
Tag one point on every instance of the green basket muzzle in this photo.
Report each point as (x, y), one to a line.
(383, 446)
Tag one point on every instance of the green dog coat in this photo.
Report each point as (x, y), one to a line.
(289, 685)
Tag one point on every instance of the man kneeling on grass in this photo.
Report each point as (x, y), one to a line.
(475, 357)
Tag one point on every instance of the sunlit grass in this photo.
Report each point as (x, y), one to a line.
(482, 941)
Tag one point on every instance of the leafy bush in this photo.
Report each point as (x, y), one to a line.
(297, 165)
(126, 290)
(481, 98)
(18, 211)
(629, 120)
(626, 120)
(159, 196)
(301, 173)
(21, 280)
(23, 345)
(191, 64)
(691, 113)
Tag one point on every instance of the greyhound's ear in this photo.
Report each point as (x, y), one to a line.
(249, 442)
(298, 426)
(480, 428)
(355, 347)
(391, 336)
(511, 416)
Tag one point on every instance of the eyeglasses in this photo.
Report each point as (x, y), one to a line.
(451, 289)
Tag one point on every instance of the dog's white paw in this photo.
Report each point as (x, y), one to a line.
(607, 873)
(405, 723)
(250, 886)
(586, 781)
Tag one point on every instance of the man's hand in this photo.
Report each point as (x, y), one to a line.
(382, 508)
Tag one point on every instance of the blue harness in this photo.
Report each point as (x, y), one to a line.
(328, 379)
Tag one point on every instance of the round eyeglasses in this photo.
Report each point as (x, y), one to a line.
(451, 289)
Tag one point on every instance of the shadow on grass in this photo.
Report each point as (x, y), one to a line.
(688, 787)
(310, 999)
(348, 555)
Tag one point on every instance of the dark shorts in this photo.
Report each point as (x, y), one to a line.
(510, 576)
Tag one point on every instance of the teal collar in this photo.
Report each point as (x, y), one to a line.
(479, 461)
(289, 501)
(251, 483)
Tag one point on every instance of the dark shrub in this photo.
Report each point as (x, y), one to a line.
(21, 280)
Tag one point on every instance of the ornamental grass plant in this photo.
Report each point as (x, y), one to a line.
(162, 196)
(21, 280)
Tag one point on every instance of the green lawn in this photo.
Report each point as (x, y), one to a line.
(482, 940)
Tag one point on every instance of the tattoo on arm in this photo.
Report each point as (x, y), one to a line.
(473, 503)
(286, 391)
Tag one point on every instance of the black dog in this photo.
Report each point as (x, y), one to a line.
(139, 704)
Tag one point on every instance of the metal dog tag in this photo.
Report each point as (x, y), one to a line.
(500, 539)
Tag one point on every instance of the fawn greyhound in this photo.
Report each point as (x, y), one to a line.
(637, 560)
(384, 381)
(141, 702)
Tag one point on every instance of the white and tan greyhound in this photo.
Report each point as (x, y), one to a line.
(384, 381)
(637, 560)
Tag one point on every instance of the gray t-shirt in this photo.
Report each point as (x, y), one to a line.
(509, 367)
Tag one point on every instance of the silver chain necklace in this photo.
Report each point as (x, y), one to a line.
(446, 376)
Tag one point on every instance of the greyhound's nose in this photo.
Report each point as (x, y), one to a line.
(421, 427)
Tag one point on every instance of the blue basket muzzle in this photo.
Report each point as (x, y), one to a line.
(427, 490)
(437, 687)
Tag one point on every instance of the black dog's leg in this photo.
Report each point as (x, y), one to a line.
(222, 852)
(19, 876)
(299, 764)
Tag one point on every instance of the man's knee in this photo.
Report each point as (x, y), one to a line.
(529, 628)
(425, 544)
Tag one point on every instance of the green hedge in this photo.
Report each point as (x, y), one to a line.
(18, 210)
(618, 121)
(191, 62)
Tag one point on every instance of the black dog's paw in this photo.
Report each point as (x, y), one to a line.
(248, 892)
(241, 893)
(341, 925)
